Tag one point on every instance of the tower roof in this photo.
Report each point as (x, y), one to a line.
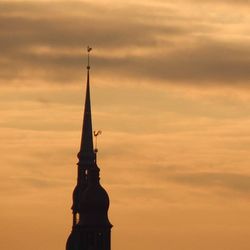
(86, 154)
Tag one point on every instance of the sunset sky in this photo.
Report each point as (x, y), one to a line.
(170, 92)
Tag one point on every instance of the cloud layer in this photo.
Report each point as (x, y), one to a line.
(47, 41)
(168, 89)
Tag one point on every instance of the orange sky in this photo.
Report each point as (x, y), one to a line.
(170, 91)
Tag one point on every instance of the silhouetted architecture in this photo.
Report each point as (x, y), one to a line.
(91, 229)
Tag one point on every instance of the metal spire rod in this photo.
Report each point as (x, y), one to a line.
(96, 133)
(88, 50)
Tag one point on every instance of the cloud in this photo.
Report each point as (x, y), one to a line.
(227, 2)
(50, 45)
(236, 182)
(211, 62)
(47, 43)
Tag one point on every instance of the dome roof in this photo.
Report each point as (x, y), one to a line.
(94, 207)
(94, 199)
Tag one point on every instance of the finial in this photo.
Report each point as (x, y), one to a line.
(88, 50)
(96, 133)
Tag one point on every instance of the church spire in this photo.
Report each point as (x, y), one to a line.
(86, 154)
(91, 226)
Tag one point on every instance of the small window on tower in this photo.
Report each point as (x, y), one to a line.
(77, 218)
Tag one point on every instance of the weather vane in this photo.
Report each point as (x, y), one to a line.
(96, 133)
(88, 50)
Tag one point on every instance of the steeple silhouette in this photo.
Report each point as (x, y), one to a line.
(86, 154)
(91, 227)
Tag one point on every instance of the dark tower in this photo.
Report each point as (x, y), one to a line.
(91, 229)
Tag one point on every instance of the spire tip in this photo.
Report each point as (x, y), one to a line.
(88, 51)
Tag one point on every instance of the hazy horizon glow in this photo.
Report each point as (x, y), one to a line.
(170, 91)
